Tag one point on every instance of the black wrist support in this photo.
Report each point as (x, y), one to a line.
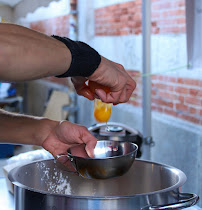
(85, 60)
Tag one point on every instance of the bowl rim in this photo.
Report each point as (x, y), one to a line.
(107, 158)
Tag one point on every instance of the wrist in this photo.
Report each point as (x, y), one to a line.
(99, 72)
(46, 126)
(85, 60)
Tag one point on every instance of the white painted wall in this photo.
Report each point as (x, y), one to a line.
(86, 21)
(28, 10)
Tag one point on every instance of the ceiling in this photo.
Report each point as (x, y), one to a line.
(10, 3)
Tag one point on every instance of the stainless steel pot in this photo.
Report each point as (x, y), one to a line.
(47, 185)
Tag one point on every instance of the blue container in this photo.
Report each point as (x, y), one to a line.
(6, 150)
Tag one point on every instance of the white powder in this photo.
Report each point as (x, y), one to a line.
(64, 185)
(54, 181)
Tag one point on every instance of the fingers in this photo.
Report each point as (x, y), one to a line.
(75, 135)
(85, 92)
(116, 97)
(81, 88)
(79, 151)
(90, 142)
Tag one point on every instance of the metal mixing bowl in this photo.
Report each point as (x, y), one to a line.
(111, 159)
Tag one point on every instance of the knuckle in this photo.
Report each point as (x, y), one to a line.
(84, 128)
(121, 66)
(132, 83)
(79, 92)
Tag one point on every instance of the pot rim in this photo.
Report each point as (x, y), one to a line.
(181, 181)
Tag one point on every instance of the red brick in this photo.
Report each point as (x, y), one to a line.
(167, 95)
(192, 100)
(155, 7)
(159, 109)
(156, 108)
(154, 92)
(165, 4)
(189, 118)
(138, 2)
(137, 24)
(122, 32)
(171, 79)
(138, 31)
(200, 83)
(135, 103)
(170, 87)
(181, 12)
(162, 102)
(178, 3)
(181, 20)
(181, 99)
(170, 30)
(195, 92)
(155, 15)
(191, 82)
(161, 77)
(182, 90)
(180, 80)
(161, 86)
(192, 110)
(170, 112)
(181, 107)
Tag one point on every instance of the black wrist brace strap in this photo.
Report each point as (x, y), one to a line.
(85, 60)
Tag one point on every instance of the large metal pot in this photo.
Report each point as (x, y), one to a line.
(47, 185)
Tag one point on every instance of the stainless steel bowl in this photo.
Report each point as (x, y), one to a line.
(111, 159)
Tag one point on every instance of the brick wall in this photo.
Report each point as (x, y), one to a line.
(179, 97)
(57, 25)
(125, 18)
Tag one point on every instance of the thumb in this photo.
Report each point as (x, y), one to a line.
(90, 142)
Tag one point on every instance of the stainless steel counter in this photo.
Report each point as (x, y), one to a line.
(6, 198)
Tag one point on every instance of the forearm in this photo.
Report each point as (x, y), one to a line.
(26, 54)
(21, 129)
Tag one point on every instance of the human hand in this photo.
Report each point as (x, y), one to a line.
(66, 135)
(109, 74)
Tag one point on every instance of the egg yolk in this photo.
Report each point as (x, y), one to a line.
(102, 111)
